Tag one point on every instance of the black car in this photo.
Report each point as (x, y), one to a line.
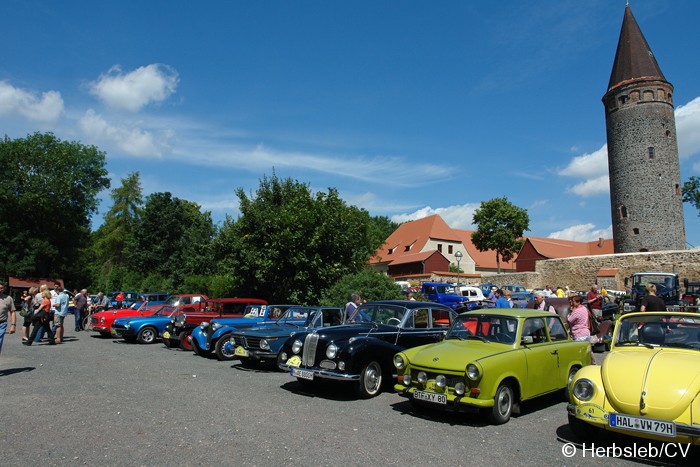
(362, 351)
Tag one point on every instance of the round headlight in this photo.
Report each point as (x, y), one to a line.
(172, 320)
(441, 381)
(283, 356)
(296, 346)
(583, 389)
(472, 372)
(264, 344)
(232, 340)
(215, 326)
(407, 380)
(204, 325)
(332, 351)
(459, 388)
(422, 377)
(102, 320)
(398, 362)
(181, 319)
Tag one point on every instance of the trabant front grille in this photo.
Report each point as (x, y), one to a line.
(451, 379)
(308, 355)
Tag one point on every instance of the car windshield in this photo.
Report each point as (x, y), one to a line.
(296, 313)
(659, 330)
(484, 327)
(165, 310)
(381, 314)
(664, 283)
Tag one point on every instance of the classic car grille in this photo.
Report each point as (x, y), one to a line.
(308, 355)
(251, 342)
(451, 379)
(94, 320)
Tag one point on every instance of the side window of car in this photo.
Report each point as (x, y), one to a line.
(441, 318)
(185, 301)
(429, 289)
(534, 327)
(420, 318)
(556, 330)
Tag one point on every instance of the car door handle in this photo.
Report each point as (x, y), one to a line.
(554, 352)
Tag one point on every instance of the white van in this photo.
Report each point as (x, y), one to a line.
(474, 293)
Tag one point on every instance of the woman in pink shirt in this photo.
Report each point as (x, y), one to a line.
(577, 319)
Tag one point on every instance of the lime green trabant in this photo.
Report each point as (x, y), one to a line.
(492, 360)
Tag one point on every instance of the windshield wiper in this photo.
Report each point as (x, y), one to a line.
(454, 336)
(637, 343)
(481, 338)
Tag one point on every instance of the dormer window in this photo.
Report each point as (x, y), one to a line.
(408, 247)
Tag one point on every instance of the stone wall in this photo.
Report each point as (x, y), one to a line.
(580, 273)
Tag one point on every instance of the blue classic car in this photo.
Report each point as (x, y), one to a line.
(362, 352)
(211, 336)
(263, 343)
(143, 329)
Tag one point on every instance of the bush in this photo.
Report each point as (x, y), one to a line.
(369, 284)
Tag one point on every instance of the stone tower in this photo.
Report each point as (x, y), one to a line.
(645, 185)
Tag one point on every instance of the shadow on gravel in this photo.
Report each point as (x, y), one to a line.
(331, 390)
(260, 368)
(466, 418)
(640, 450)
(12, 371)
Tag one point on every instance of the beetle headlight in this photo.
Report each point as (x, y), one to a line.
(264, 344)
(216, 326)
(399, 362)
(296, 346)
(407, 380)
(460, 388)
(440, 381)
(583, 389)
(332, 351)
(473, 372)
(422, 377)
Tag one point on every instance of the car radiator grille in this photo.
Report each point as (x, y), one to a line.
(94, 321)
(251, 342)
(308, 355)
(451, 379)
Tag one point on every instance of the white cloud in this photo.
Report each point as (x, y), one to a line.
(592, 187)
(688, 128)
(136, 89)
(15, 101)
(133, 141)
(457, 217)
(582, 233)
(592, 165)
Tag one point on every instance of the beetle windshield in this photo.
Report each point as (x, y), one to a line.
(659, 330)
(484, 327)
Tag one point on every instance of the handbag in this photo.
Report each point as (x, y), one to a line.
(24, 312)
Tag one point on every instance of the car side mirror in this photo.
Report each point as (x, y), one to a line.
(526, 340)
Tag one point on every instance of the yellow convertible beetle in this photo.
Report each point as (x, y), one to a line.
(648, 385)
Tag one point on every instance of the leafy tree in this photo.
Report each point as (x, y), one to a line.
(691, 192)
(48, 194)
(290, 244)
(172, 239)
(500, 226)
(371, 285)
(384, 226)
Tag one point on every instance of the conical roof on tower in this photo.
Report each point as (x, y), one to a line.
(633, 59)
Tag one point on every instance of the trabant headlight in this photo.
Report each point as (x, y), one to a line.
(422, 377)
(296, 346)
(204, 325)
(440, 381)
(264, 344)
(398, 362)
(407, 380)
(473, 372)
(332, 351)
(215, 326)
(460, 388)
(583, 389)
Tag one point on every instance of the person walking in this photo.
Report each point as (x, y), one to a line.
(80, 301)
(7, 312)
(42, 318)
(61, 312)
(29, 314)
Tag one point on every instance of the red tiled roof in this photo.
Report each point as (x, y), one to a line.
(483, 259)
(413, 258)
(555, 248)
(607, 272)
(26, 282)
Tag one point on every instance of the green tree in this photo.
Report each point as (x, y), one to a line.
(500, 226)
(172, 239)
(117, 231)
(48, 194)
(369, 284)
(691, 192)
(289, 244)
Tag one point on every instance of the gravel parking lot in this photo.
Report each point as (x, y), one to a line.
(93, 401)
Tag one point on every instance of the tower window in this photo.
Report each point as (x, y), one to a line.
(650, 152)
(678, 190)
(636, 231)
(623, 212)
(668, 133)
(623, 99)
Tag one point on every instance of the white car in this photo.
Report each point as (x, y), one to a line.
(474, 293)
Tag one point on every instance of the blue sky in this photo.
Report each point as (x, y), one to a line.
(407, 108)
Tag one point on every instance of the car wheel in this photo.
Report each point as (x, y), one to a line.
(86, 322)
(198, 350)
(147, 335)
(569, 380)
(370, 383)
(581, 429)
(186, 342)
(168, 343)
(220, 349)
(502, 405)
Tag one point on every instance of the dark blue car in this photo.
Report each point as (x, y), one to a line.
(262, 343)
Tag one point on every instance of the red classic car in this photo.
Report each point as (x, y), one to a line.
(102, 321)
